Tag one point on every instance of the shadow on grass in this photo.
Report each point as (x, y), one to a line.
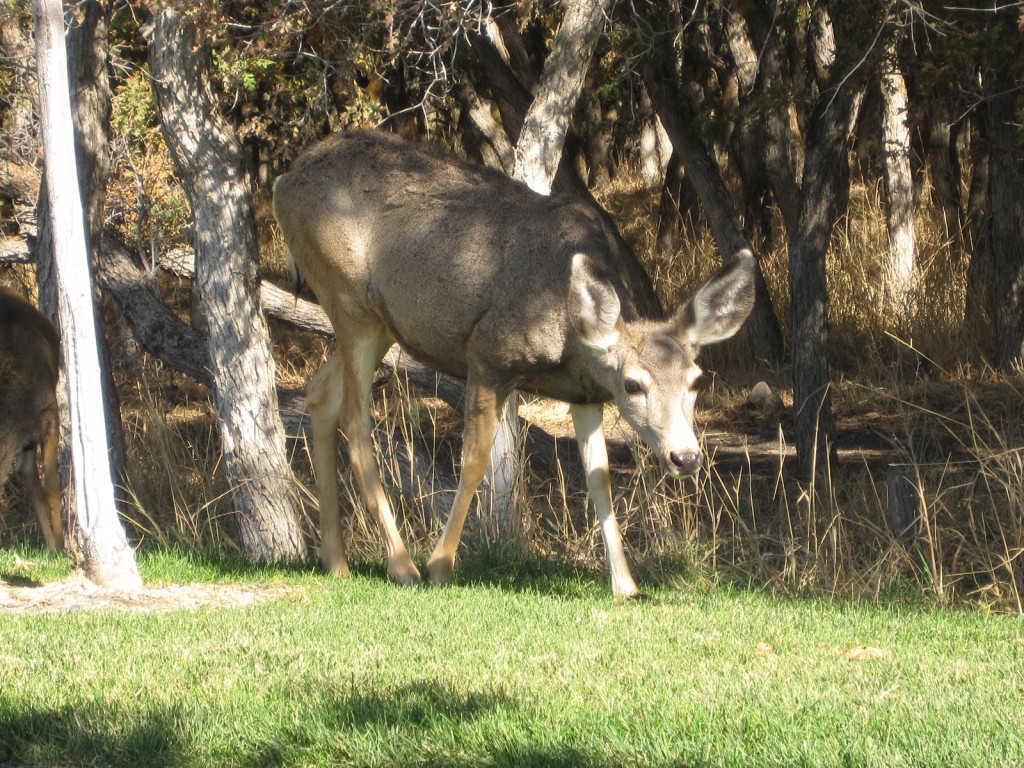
(478, 565)
(424, 723)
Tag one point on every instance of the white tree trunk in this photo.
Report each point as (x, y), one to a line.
(899, 289)
(107, 557)
(538, 153)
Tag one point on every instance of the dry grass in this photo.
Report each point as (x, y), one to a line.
(954, 431)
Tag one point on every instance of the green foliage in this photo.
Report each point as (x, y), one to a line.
(133, 107)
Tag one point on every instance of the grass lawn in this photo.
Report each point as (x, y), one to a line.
(508, 667)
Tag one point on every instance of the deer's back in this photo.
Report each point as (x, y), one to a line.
(450, 255)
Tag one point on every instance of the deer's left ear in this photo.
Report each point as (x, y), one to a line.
(593, 306)
(721, 305)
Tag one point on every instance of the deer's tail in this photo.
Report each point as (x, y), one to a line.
(293, 270)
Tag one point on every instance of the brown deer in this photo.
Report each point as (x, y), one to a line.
(480, 278)
(29, 418)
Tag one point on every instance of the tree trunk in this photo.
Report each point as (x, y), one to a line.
(539, 148)
(88, 58)
(899, 291)
(107, 558)
(655, 147)
(782, 149)
(977, 304)
(677, 114)
(940, 145)
(209, 160)
(825, 197)
(1004, 105)
(749, 136)
(597, 140)
(678, 208)
(482, 136)
(91, 105)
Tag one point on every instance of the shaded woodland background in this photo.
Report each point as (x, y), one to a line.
(870, 153)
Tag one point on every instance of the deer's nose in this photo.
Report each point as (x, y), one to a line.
(685, 462)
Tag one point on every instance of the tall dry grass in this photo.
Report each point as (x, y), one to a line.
(952, 429)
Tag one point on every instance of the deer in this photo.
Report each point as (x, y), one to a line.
(29, 415)
(480, 278)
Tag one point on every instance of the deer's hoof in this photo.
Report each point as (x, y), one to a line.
(440, 571)
(335, 567)
(404, 574)
(333, 556)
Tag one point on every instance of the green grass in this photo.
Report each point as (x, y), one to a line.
(528, 666)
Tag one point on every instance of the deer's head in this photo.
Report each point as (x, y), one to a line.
(650, 367)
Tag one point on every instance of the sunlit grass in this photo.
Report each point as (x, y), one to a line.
(512, 666)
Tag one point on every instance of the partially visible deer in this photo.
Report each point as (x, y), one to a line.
(480, 278)
(29, 418)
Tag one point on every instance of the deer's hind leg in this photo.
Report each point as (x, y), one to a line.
(44, 494)
(341, 392)
(324, 400)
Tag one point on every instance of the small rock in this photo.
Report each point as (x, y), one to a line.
(763, 398)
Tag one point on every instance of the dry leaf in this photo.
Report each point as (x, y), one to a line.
(766, 648)
(864, 652)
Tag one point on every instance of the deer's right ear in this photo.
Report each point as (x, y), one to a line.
(593, 305)
(722, 304)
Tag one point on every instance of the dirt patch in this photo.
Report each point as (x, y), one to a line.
(77, 593)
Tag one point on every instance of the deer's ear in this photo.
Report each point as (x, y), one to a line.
(593, 305)
(721, 305)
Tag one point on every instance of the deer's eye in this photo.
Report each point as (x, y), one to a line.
(701, 383)
(633, 387)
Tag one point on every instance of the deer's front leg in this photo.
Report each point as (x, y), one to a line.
(590, 436)
(483, 406)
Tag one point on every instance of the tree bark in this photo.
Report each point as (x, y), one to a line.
(482, 136)
(977, 304)
(677, 113)
(939, 137)
(899, 291)
(209, 160)
(1004, 106)
(90, 108)
(655, 147)
(825, 197)
(539, 148)
(158, 331)
(782, 149)
(88, 57)
(749, 136)
(107, 557)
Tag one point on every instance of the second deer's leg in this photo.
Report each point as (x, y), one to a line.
(483, 406)
(587, 421)
(26, 466)
(50, 447)
(364, 356)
